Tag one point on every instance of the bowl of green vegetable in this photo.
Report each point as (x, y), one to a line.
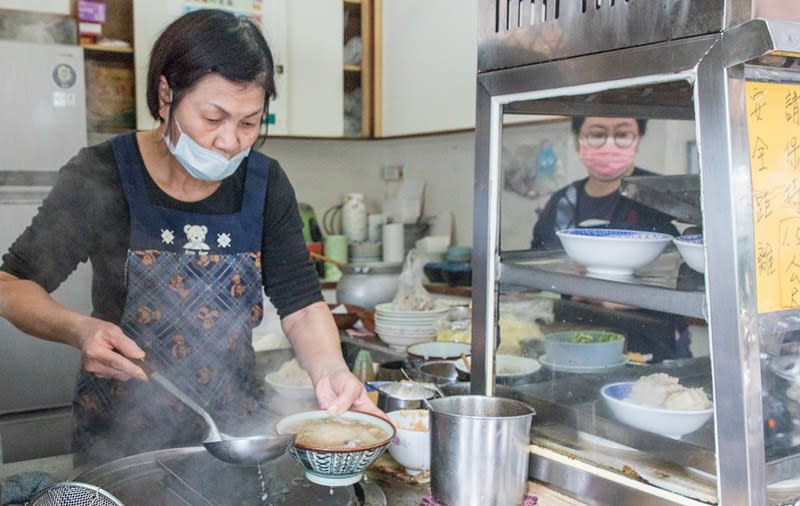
(584, 348)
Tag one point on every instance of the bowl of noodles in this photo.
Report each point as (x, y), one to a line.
(335, 451)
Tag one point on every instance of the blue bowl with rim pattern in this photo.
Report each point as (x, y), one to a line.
(613, 252)
(336, 466)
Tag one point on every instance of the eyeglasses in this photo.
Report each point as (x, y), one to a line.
(597, 138)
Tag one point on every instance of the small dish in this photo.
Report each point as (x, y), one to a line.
(508, 367)
(438, 350)
(580, 369)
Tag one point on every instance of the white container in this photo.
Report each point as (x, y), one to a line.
(411, 447)
(354, 217)
(393, 242)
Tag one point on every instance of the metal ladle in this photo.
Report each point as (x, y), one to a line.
(253, 450)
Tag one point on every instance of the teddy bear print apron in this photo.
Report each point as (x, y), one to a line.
(194, 293)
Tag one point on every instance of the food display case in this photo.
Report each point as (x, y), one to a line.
(732, 67)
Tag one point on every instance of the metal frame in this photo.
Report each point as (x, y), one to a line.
(717, 66)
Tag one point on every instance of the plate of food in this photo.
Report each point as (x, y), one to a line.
(659, 403)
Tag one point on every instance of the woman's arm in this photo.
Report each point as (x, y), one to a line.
(104, 346)
(315, 339)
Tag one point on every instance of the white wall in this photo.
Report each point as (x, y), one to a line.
(51, 6)
(322, 171)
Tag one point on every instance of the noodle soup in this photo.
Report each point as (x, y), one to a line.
(336, 433)
(336, 450)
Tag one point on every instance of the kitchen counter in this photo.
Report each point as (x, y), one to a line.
(397, 492)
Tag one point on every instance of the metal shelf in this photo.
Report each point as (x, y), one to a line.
(666, 285)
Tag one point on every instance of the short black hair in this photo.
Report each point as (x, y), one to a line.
(205, 41)
(577, 123)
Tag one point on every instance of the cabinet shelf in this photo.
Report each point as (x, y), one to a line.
(352, 68)
(654, 287)
(106, 48)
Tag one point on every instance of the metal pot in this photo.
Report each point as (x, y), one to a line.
(395, 396)
(491, 470)
(368, 284)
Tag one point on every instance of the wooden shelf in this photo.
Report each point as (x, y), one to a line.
(107, 48)
(352, 68)
(355, 2)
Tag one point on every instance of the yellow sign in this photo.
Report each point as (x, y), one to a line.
(773, 125)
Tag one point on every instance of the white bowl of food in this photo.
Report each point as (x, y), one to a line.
(411, 447)
(291, 382)
(584, 348)
(692, 409)
(335, 451)
(692, 251)
(613, 252)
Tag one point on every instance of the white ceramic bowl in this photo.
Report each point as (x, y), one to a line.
(438, 350)
(667, 422)
(411, 446)
(508, 367)
(290, 391)
(336, 467)
(612, 252)
(692, 250)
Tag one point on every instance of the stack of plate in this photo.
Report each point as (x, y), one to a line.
(401, 328)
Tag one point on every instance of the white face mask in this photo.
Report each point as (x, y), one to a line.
(202, 163)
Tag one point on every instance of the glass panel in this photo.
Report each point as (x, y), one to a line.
(625, 378)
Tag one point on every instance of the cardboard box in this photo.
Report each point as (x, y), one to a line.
(94, 12)
(110, 97)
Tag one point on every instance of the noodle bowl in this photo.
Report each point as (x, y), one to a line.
(335, 451)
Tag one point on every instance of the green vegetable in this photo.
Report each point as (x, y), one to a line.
(583, 337)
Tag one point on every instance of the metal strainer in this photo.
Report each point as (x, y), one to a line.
(74, 494)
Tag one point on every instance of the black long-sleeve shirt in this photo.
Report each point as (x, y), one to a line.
(85, 217)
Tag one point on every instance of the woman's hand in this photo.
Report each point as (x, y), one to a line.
(341, 391)
(106, 351)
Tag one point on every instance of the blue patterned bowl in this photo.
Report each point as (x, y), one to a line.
(614, 252)
(336, 467)
(692, 250)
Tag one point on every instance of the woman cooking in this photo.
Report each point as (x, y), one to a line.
(183, 224)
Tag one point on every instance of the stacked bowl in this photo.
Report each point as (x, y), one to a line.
(401, 328)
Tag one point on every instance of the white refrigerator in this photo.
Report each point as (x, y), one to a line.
(43, 99)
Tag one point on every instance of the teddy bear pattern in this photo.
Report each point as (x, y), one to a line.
(195, 239)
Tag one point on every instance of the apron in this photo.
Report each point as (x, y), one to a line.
(194, 293)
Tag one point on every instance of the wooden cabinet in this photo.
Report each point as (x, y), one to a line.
(357, 66)
(109, 64)
(329, 92)
(425, 66)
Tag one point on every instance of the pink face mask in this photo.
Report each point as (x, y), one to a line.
(607, 162)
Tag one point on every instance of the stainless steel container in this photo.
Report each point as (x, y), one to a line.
(479, 450)
(396, 396)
